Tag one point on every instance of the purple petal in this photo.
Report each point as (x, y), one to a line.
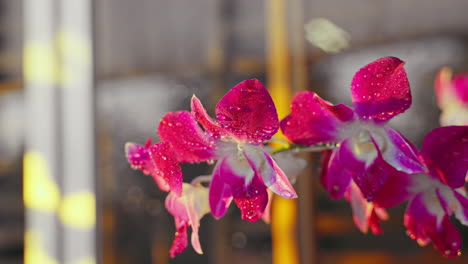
(248, 112)
(220, 194)
(252, 199)
(445, 150)
(272, 176)
(314, 120)
(167, 166)
(395, 190)
(177, 208)
(381, 90)
(460, 85)
(205, 120)
(400, 153)
(368, 170)
(335, 174)
(190, 143)
(426, 220)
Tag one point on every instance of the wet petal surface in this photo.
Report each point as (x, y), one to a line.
(314, 120)
(248, 113)
(200, 114)
(445, 150)
(381, 90)
(190, 142)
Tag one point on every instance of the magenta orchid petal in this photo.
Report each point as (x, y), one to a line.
(426, 221)
(401, 153)
(381, 90)
(395, 190)
(139, 157)
(446, 239)
(248, 113)
(336, 175)
(167, 166)
(187, 210)
(365, 214)
(220, 195)
(365, 164)
(278, 182)
(272, 176)
(314, 120)
(445, 150)
(190, 143)
(251, 199)
(159, 161)
(180, 239)
(460, 85)
(205, 120)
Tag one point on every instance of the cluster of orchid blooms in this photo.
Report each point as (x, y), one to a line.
(373, 166)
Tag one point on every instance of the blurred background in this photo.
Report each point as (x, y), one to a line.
(78, 79)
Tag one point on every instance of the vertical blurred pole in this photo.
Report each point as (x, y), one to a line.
(59, 171)
(42, 154)
(284, 211)
(307, 247)
(78, 208)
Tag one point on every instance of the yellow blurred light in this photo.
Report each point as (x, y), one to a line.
(40, 191)
(78, 210)
(34, 252)
(40, 62)
(326, 35)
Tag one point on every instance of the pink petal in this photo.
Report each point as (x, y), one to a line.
(159, 161)
(370, 175)
(336, 175)
(426, 221)
(314, 120)
(401, 153)
(381, 90)
(460, 85)
(252, 199)
(365, 214)
(205, 120)
(362, 209)
(396, 189)
(377, 215)
(220, 194)
(167, 166)
(272, 176)
(180, 239)
(190, 143)
(248, 113)
(445, 150)
(443, 87)
(266, 216)
(139, 157)
(188, 209)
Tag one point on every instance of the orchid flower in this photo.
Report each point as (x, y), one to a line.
(187, 210)
(245, 118)
(158, 160)
(439, 192)
(367, 152)
(366, 215)
(452, 97)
